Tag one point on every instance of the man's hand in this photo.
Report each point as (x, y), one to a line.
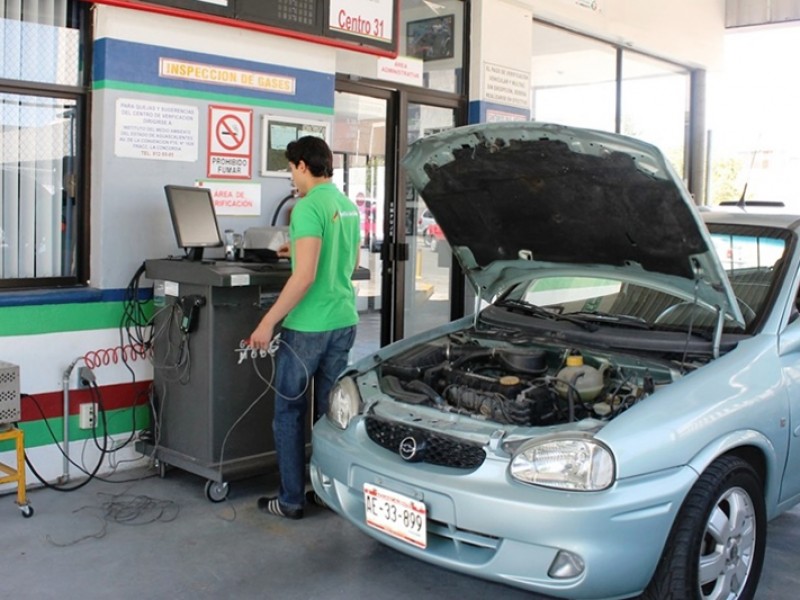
(262, 335)
(284, 250)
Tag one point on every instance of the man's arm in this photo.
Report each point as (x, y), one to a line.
(306, 259)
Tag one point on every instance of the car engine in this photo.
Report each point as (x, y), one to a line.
(528, 386)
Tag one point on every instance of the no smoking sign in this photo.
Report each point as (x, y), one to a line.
(229, 142)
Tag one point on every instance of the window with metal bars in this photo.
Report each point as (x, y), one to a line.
(43, 94)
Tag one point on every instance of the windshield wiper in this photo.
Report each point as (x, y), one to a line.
(614, 319)
(539, 311)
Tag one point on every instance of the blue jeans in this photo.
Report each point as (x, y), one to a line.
(302, 358)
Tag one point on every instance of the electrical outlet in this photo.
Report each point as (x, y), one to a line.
(87, 415)
(85, 377)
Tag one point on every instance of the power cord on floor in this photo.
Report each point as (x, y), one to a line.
(125, 509)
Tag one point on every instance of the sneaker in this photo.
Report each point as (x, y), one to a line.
(313, 498)
(273, 507)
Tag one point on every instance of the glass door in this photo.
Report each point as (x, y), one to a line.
(428, 289)
(409, 287)
(359, 145)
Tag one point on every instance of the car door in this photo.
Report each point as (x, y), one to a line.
(790, 365)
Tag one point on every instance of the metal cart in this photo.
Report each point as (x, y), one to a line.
(204, 380)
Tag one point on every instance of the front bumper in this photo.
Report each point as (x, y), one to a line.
(485, 524)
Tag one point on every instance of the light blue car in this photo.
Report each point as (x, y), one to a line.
(620, 416)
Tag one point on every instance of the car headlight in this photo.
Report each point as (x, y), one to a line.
(582, 464)
(344, 402)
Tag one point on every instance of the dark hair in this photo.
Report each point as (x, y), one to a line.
(314, 152)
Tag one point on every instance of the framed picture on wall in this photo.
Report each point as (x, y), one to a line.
(431, 39)
(277, 132)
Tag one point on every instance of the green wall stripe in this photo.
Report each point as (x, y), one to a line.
(55, 318)
(247, 100)
(119, 421)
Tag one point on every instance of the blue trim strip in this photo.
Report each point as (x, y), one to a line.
(68, 296)
(478, 112)
(132, 62)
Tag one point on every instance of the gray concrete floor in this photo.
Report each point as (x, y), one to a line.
(161, 538)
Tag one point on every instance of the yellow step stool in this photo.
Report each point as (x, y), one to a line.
(16, 475)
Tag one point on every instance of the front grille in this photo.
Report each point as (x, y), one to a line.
(439, 449)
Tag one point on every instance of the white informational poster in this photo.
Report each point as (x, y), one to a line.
(156, 130)
(507, 86)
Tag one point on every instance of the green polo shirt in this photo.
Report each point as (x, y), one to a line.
(330, 303)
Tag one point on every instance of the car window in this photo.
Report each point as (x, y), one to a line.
(747, 252)
(572, 293)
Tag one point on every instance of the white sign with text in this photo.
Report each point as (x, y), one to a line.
(155, 130)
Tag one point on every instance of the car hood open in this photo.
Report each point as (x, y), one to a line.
(515, 199)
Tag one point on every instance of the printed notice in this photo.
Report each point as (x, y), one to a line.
(506, 86)
(239, 199)
(156, 130)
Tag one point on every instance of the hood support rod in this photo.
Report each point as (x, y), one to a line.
(718, 331)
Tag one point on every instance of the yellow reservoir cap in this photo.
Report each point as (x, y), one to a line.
(575, 360)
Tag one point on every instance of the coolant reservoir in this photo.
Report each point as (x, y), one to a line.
(585, 379)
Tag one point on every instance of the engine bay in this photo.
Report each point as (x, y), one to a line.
(533, 385)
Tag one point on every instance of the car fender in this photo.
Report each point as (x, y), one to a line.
(745, 443)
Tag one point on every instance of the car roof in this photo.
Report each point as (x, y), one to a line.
(759, 219)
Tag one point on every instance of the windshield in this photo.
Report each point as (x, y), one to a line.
(751, 261)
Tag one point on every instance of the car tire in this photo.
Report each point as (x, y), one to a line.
(721, 525)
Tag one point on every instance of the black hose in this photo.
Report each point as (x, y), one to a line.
(291, 196)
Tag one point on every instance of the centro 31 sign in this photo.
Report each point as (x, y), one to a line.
(372, 19)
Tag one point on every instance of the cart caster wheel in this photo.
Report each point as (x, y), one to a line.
(162, 469)
(27, 511)
(217, 492)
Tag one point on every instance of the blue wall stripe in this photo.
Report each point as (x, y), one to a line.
(68, 296)
(478, 108)
(134, 62)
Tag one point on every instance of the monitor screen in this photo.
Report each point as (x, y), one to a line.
(193, 219)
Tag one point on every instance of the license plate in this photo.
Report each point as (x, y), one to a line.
(396, 515)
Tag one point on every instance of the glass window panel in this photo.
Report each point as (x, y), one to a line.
(655, 104)
(37, 44)
(433, 32)
(37, 220)
(40, 46)
(573, 79)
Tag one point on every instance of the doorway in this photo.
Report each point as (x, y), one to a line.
(409, 288)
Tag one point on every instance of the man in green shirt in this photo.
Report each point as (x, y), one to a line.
(318, 308)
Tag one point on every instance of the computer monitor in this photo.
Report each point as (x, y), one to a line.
(193, 219)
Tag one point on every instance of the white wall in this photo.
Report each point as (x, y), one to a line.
(687, 31)
(129, 218)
